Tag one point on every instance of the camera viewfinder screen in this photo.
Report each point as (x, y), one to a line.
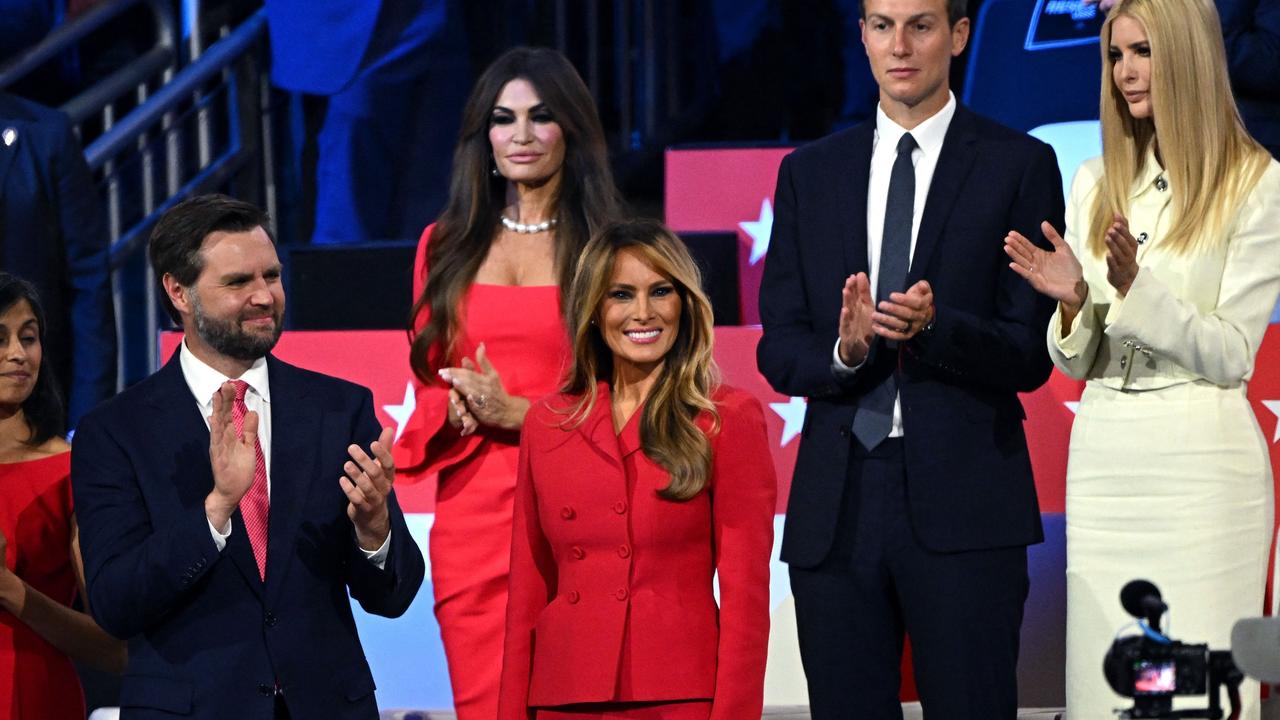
(1154, 678)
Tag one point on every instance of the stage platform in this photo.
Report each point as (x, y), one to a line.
(910, 711)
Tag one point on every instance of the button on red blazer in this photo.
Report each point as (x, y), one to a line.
(611, 584)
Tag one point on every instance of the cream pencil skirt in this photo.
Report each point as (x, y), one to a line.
(1173, 486)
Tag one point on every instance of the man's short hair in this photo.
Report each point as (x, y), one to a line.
(956, 9)
(180, 233)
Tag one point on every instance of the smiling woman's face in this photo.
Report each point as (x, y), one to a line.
(640, 314)
(20, 354)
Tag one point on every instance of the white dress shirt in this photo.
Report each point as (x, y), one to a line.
(204, 381)
(929, 136)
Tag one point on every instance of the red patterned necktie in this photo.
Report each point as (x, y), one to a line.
(255, 503)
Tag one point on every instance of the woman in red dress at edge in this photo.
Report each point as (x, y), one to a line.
(41, 571)
(638, 482)
(531, 182)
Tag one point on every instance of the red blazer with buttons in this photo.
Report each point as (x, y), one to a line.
(611, 584)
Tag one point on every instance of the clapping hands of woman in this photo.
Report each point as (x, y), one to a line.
(1055, 273)
(477, 396)
(1122, 255)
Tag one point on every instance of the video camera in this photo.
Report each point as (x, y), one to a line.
(1152, 668)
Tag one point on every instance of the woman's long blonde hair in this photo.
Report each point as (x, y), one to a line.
(1211, 161)
(669, 431)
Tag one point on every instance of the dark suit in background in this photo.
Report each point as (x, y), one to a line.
(209, 638)
(385, 83)
(53, 232)
(1251, 30)
(942, 537)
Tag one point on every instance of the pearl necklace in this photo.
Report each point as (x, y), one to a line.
(530, 229)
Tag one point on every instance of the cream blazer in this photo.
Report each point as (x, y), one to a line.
(1187, 317)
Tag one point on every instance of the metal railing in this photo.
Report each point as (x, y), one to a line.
(165, 134)
(156, 131)
(207, 124)
(160, 60)
(214, 170)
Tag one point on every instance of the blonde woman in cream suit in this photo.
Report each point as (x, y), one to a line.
(1165, 285)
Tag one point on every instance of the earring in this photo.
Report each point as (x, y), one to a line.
(493, 166)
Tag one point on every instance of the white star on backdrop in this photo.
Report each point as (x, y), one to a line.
(1274, 407)
(792, 414)
(402, 412)
(759, 231)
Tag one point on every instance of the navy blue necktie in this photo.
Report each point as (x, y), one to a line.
(874, 419)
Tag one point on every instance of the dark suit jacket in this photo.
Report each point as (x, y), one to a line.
(207, 638)
(1251, 32)
(969, 477)
(53, 232)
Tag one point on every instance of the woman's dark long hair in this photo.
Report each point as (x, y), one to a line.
(586, 199)
(43, 407)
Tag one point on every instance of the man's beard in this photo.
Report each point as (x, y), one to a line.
(226, 337)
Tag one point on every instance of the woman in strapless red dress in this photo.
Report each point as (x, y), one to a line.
(531, 182)
(40, 567)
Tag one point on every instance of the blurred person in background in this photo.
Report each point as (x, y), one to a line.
(53, 231)
(381, 84)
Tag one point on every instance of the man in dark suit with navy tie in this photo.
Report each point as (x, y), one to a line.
(887, 301)
(230, 502)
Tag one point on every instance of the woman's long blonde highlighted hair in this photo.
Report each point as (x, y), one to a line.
(669, 431)
(1211, 161)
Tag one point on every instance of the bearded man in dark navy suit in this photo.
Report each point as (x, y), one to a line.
(230, 502)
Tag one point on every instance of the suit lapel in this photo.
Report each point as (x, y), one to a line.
(852, 174)
(177, 412)
(629, 438)
(598, 432)
(295, 427)
(958, 153)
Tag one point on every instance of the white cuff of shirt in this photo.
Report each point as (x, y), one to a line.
(838, 366)
(219, 536)
(379, 557)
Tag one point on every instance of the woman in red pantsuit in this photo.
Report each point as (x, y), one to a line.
(530, 183)
(639, 482)
(40, 567)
